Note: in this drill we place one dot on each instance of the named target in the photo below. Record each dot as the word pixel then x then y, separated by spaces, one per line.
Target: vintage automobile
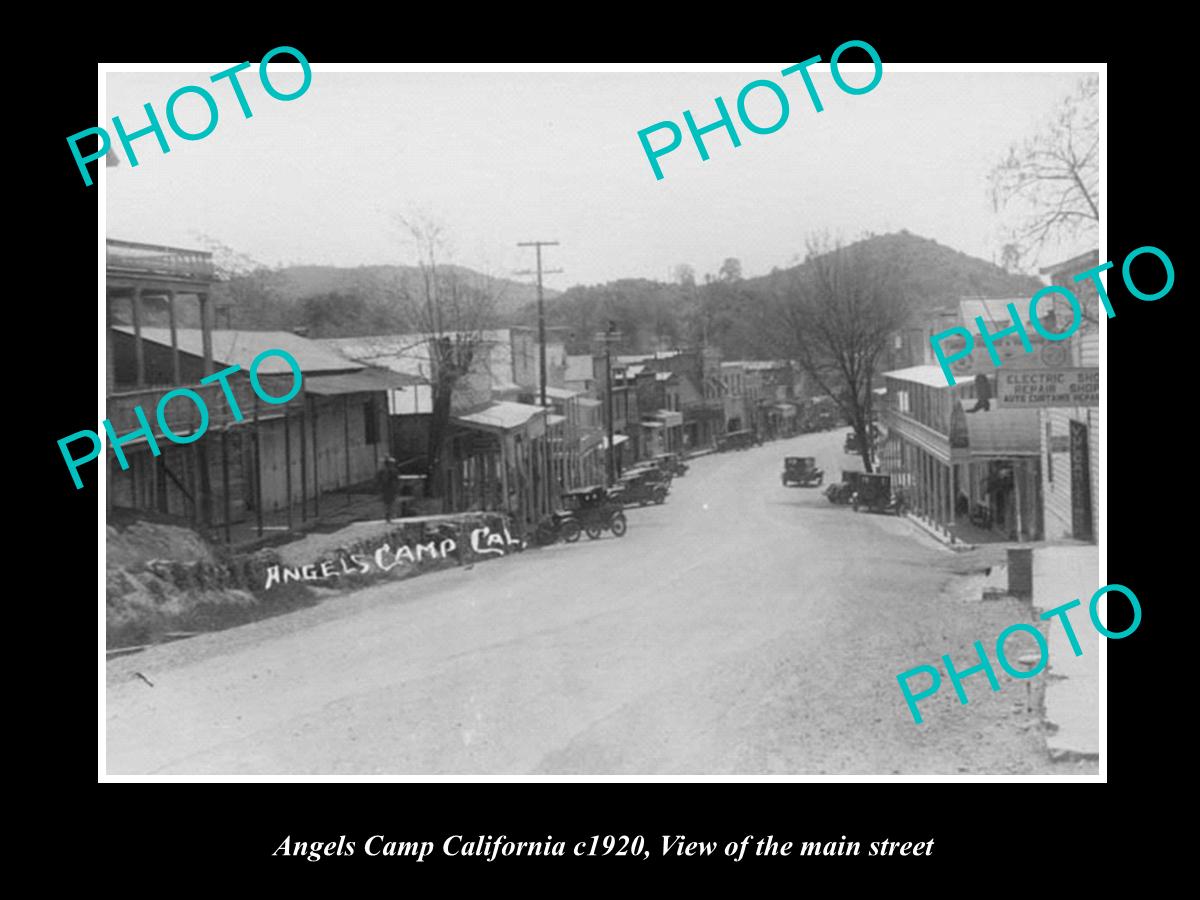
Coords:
pixel 590 510
pixel 874 493
pixel 840 493
pixel 671 463
pixel 802 470
pixel 645 484
pixel 735 440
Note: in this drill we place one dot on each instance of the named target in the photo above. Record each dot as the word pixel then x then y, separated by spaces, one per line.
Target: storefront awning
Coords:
pixel 504 416
pixel 618 440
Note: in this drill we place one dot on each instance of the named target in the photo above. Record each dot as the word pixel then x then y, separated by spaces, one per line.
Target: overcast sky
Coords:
pixel 507 157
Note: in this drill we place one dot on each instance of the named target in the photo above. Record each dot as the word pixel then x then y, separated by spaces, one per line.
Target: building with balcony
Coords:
pixel 967 473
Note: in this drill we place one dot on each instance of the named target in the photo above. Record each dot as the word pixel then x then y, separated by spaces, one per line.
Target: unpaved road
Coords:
pixel 740 628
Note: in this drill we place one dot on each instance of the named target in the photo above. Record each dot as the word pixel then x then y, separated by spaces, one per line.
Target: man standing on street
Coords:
pixel 389 481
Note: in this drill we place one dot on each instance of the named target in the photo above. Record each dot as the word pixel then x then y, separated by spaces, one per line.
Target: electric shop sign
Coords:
pixel 1035 388
pixel 222 378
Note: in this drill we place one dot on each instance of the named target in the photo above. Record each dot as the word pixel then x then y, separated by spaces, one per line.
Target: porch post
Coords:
pixel 178 378
pixel 138 351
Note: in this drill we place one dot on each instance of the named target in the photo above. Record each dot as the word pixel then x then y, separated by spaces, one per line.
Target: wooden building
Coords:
pixel 279 459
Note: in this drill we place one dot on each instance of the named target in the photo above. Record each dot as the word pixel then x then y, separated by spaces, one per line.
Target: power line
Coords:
pixel 541 306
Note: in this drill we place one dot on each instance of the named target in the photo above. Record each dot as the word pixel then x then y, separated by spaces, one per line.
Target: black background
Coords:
pixel 181 835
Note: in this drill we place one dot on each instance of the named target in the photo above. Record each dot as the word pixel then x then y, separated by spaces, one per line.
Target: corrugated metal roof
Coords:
pixel 409 354
pixel 357 382
pixel 1004 432
pixel 503 414
pixel 241 347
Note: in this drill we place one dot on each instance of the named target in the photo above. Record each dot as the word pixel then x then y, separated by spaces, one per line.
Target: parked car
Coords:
pixel 643 485
pixel 558 525
pixel 590 510
pixel 671 463
pixel 874 492
pixel 840 493
pixel 802 470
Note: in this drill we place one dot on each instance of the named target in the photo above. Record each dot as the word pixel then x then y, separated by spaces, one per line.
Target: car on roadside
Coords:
pixel 802 470
pixel 671 463
pixel 643 485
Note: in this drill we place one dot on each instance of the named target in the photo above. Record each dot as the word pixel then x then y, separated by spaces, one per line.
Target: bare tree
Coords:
pixel 448 310
pixel 835 316
pixel 1050 183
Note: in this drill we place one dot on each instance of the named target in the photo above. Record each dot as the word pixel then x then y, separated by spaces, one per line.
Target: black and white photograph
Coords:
pixel 603 421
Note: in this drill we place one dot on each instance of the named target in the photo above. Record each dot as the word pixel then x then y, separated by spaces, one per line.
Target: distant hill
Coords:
pixel 310 281
pixel 930 275
pixel 730 314
pixel 331 301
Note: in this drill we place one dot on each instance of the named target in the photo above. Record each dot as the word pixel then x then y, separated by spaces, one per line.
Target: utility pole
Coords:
pixel 541 307
pixel 609 337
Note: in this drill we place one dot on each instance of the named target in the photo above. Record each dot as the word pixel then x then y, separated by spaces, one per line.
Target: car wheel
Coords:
pixel 618 525
pixel 571 532
pixel 593 532
pixel 660 497
pixel 820 479
pixel 544 535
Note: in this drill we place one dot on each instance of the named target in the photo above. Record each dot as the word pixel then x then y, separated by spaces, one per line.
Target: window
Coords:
pixel 371 421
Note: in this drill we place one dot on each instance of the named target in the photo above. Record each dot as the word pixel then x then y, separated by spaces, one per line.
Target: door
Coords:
pixel 1081 483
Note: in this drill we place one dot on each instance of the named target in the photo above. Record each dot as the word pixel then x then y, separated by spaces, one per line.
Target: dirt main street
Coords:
pixel 742 627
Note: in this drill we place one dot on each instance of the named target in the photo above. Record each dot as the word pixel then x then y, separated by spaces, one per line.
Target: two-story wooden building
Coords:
pixel 273 459
pixel 953 463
